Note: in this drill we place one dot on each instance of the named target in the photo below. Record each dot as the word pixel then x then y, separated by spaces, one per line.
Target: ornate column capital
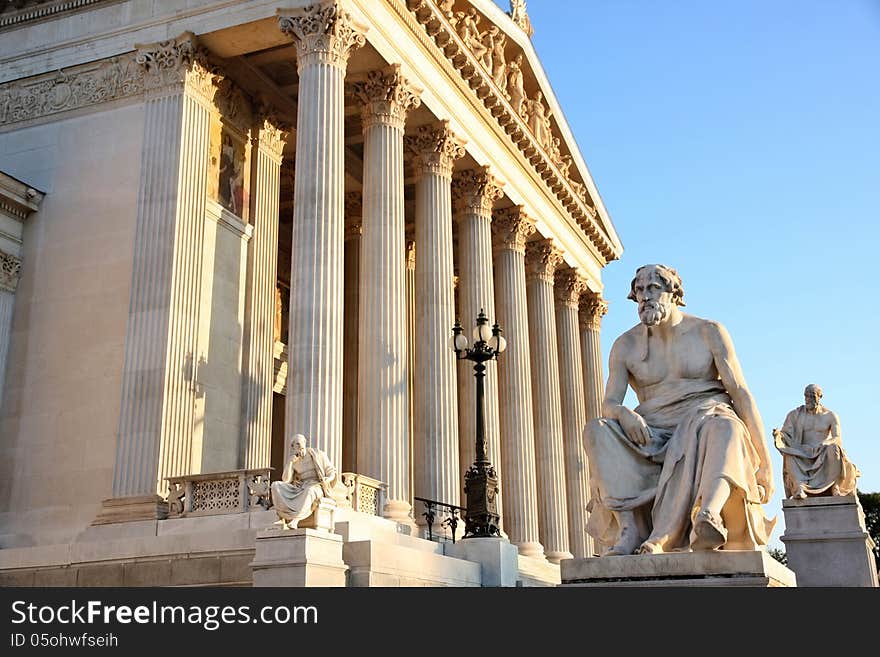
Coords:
pixel 386 97
pixel 542 259
pixel 10 271
pixel 271 132
pixel 511 227
pixel 436 149
pixel 323 32
pixel 569 287
pixel 475 191
pixel 593 308
pixel 176 64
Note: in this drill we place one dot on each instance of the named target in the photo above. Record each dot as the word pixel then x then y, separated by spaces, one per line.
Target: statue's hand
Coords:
pixel 778 438
pixel 634 426
pixel 764 479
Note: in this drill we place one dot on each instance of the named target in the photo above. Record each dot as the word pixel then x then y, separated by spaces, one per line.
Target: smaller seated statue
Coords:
pixel 308 477
pixel 813 460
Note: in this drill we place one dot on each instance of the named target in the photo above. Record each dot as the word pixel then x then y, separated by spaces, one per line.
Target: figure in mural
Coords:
pixel 813 460
pixel 308 476
pixel 689 467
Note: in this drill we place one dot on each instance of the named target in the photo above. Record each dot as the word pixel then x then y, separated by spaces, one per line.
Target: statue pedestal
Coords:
pixel 826 542
pixel 712 568
pixel 498 558
pixel 298 557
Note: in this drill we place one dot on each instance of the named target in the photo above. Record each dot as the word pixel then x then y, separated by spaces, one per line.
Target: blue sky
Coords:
pixel 739 142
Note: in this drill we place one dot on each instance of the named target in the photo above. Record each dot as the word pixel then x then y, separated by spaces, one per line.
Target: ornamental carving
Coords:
pixel 593 309
pixel 569 287
pixel 520 17
pixel 44 95
pixel 323 32
pixel 435 148
pixel 542 259
pixel 511 227
pixel 180 61
pixel 475 191
pixel 386 97
pixel 10 271
pixel 271 133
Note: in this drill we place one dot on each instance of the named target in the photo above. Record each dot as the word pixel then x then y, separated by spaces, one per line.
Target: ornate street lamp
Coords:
pixel 481 480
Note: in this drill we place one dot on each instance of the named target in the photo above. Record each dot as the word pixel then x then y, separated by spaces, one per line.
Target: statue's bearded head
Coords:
pixel 657 290
pixel 812 395
pixel 298 445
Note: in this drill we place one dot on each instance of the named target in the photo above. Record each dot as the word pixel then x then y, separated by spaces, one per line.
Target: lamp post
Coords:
pixel 481 480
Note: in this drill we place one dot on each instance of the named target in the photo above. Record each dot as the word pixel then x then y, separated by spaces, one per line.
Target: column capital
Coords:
pixel 593 308
pixel 475 191
pixel 570 285
pixel 510 229
pixel 542 259
pixel 323 32
pixel 176 65
pixel 271 132
pixel 436 149
pixel 387 97
pixel 10 271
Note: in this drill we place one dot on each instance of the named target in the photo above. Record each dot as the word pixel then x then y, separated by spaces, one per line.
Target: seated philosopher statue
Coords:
pixel 308 476
pixel 813 460
pixel 689 467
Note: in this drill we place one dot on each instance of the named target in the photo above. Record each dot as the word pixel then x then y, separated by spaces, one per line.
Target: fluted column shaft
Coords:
pixel 435 436
pixel 474 193
pixel 542 258
pixel 569 287
pixel 383 406
pixel 159 372
pixel 511 228
pixel 350 331
pixel 7 300
pixel 262 276
pixel 592 309
pixel 324 36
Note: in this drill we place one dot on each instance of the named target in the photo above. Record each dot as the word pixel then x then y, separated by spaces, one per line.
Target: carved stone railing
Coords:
pixel 216 493
pixel 366 494
pixel 448 44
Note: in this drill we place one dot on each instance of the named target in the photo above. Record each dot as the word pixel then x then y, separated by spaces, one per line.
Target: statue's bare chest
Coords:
pixel 685 356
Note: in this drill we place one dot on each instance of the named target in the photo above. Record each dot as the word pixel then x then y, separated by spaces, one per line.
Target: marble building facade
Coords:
pixel 225 223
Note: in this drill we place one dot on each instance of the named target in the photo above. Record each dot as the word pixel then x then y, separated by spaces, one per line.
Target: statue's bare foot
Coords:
pixel 649 548
pixel 709 531
pixel 627 543
pixel 801 494
pixel 835 490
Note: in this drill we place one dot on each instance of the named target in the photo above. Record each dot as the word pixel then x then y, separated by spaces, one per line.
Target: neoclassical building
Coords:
pixel 224 223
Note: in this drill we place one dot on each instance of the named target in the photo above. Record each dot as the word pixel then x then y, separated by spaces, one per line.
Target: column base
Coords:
pixel 399 511
pixel 531 549
pixel 298 557
pixel 557 557
pixel 131 509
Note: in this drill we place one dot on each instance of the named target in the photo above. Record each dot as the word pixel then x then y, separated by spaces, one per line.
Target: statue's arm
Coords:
pixel 734 381
pixel 632 423
pixel 785 436
pixel 834 430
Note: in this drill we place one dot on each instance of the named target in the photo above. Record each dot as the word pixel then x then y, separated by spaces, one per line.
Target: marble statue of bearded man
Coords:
pixel 308 476
pixel 689 467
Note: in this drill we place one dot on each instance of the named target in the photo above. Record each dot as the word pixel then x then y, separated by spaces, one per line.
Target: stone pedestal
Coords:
pixel 497 557
pixel 715 568
pixel 826 542
pixel 298 557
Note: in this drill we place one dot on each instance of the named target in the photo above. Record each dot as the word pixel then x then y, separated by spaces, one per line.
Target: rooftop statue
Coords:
pixel 813 460
pixel 689 467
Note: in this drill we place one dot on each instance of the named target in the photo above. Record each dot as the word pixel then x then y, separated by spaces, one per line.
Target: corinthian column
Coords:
pixel 259 362
pixel 593 308
pixel 325 35
pixel 474 192
pixel 511 228
pixel 542 259
pixel 353 213
pixel 159 372
pixel 436 406
pixel 569 287
pixel 383 406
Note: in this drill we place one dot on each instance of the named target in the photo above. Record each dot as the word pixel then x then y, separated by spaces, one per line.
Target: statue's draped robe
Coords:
pixel 817 467
pixel 695 438
pixel 298 492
